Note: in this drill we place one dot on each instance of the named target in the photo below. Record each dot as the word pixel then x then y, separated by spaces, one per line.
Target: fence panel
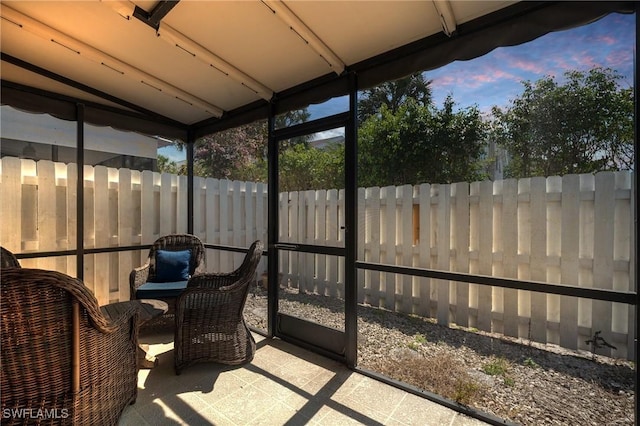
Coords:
pixel 575 230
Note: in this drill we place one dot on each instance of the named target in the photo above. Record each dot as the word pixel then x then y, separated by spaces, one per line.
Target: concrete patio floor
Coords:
pixel 284 384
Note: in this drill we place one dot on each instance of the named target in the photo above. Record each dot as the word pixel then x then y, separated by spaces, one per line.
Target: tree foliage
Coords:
pixel 165 165
pixel 581 126
pixel 394 94
pixel 240 153
pixel 224 154
pixel 418 143
pixel 303 167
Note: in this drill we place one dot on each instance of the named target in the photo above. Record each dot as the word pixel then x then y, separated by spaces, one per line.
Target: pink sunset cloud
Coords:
pixel 496 78
pixel 619 57
pixel 606 39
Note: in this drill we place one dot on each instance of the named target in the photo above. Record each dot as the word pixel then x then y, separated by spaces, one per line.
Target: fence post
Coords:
pixel 424 247
pixel 510 318
pixel 443 241
pixel 11 207
pixel 371 215
pixel 388 201
pixel 485 254
pixel 570 259
pixel 100 222
pixel 405 229
pixel 603 271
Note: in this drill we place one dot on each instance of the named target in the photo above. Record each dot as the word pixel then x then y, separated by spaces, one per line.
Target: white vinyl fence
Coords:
pixel 575 230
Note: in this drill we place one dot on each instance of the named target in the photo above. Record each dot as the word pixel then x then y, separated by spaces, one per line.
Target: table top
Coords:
pixel 148 308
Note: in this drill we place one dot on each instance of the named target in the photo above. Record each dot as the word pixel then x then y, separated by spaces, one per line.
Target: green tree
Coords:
pixel 393 94
pixel 224 155
pixel 241 153
pixel 303 167
pixel 584 125
pixel 418 144
pixel 165 165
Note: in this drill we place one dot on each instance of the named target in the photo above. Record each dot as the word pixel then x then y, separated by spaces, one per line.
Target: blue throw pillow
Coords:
pixel 172 265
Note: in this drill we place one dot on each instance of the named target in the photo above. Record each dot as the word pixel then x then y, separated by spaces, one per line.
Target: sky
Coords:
pixel 496 78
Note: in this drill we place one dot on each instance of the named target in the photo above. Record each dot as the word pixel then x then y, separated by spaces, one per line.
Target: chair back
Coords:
pixel 209 321
pixel 8 259
pixel 251 260
pixel 178 242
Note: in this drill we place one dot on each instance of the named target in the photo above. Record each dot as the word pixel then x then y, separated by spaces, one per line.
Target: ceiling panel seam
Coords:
pixel 88 52
pixel 446 15
pixel 174 37
pixel 307 35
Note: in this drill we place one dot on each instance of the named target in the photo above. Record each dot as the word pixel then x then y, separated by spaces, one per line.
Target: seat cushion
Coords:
pixel 172 266
pixel 153 290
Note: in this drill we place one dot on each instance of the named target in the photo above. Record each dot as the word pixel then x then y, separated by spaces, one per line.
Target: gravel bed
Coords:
pixel 536 385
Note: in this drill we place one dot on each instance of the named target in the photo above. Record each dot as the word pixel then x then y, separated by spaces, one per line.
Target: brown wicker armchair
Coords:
pixel 161 280
pixel 60 355
pixel 8 259
pixel 209 319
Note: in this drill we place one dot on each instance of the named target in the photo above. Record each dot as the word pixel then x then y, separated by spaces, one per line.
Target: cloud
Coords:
pixel 483 72
pixel 605 39
pixel 619 58
pixel 527 65
pixel 328 134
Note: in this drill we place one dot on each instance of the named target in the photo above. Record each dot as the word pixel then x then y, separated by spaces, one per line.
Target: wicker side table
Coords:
pixel 148 309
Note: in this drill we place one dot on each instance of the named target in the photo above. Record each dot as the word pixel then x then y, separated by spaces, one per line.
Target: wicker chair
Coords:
pixel 145 282
pixel 60 355
pixel 8 259
pixel 210 324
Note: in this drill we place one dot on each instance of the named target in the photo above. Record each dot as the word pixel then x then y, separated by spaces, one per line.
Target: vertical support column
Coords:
pixel 351 228
pixel 190 143
pixel 272 223
pixel 80 192
pixel 634 194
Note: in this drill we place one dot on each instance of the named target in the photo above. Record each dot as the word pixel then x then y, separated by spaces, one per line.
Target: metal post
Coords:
pixel 351 226
pixel 634 206
pixel 190 159
pixel 272 224
pixel 80 191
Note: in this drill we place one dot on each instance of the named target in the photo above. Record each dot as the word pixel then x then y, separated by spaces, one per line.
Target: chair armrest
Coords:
pixel 138 277
pixel 120 317
pixel 111 356
pixel 212 280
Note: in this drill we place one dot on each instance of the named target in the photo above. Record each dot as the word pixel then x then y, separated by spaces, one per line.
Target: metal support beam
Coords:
pixel 190 159
pixel 154 17
pixel 447 18
pixel 351 226
pixel 80 192
pixel 636 181
pixel 272 223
